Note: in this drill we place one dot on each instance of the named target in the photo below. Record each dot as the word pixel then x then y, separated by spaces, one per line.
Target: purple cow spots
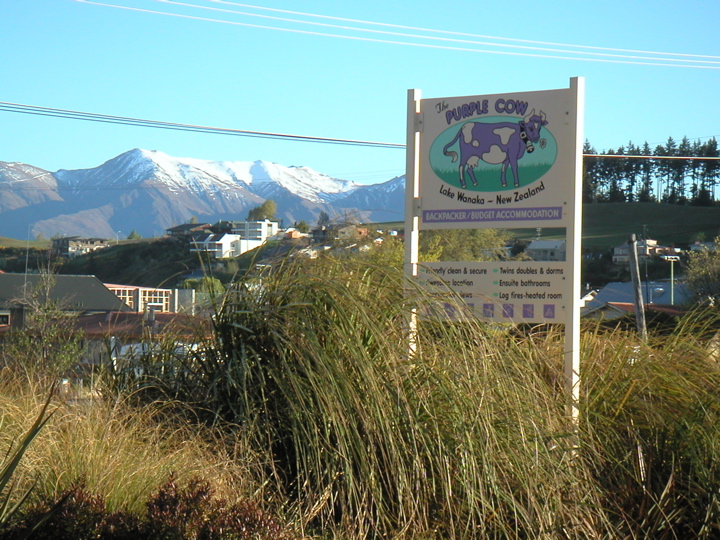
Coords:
pixel 501 143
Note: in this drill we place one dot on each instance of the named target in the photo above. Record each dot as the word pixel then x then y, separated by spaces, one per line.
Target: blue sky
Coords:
pixel 243 73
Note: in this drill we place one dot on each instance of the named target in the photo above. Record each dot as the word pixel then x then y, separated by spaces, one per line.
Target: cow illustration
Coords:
pixel 502 142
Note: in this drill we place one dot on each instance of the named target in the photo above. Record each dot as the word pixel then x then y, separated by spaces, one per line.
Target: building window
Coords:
pixel 127 296
pixel 157 298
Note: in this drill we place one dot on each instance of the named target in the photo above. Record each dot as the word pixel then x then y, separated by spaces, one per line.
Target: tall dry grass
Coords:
pixel 651 429
pixel 348 433
pixel 468 437
pixel 464 438
pixel 116 450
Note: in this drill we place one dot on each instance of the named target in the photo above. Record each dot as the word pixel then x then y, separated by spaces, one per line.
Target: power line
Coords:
pixel 139 122
pixel 683 58
pixel 662 62
pixel 448 32
pixel 630 156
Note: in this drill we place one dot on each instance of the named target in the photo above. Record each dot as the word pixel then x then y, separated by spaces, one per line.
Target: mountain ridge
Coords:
pixel 149 191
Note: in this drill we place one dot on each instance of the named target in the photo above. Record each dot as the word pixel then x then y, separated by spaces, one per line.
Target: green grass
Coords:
pixel 610 224
pixel 33 244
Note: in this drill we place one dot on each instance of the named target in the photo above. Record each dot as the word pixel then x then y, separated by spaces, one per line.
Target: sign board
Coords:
pixel 509 291
pixel 499 161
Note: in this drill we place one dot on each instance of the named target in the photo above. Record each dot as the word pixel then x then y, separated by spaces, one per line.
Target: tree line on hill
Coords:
pixel 669 173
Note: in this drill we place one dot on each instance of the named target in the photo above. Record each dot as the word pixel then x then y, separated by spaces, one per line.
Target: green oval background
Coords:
pixel 531 167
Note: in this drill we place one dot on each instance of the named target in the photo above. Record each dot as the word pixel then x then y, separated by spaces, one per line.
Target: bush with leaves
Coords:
pixel 702 273
pixel 48 342
pixel 367 439
pixel 266 210
pixel 174 512
pixel 651 430
pixel 464 433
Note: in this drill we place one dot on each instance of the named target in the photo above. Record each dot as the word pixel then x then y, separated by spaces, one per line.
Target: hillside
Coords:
pixel 149 191
pixel 32 244
pixel 161 261
pixel 609 224
pixel 606 225
pixel 151 263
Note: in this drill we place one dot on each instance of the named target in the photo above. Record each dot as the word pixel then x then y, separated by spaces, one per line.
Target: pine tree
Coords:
pixel 645 170
pixel 323 219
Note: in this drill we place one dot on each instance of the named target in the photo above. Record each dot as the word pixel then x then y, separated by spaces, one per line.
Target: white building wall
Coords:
pixel 256 230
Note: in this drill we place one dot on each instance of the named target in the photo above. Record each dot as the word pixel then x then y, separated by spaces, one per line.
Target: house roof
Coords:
pixel 202 237
pixel 626 308
pixel 188 227
pixel 653 292
pixel 546 244
pixel 135 325
pixel 72 293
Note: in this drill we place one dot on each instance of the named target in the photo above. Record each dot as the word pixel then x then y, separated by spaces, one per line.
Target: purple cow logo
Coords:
pixel 502 142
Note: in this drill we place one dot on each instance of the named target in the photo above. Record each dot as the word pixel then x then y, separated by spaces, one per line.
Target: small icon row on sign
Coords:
pixel 508 311
pixel 449 311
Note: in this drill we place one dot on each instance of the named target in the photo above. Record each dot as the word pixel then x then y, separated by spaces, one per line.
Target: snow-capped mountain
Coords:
pixel 149 191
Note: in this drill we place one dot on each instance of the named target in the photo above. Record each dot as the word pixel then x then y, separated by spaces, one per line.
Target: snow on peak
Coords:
pixel 20 172
pixel 263 178
pixel 302 181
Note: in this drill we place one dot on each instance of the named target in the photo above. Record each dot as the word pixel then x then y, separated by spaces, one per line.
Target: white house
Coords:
pixel 219 246
pixel 243 236
pixel 645 249
pixel 255 230
pixel 700 246
pixel 74 246
pixel 141 299
pixel 546 250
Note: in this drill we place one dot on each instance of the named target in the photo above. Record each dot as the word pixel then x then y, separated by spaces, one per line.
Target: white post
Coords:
pixel 412 196
pixel 574 237
pixel 671 259
pixel 672 282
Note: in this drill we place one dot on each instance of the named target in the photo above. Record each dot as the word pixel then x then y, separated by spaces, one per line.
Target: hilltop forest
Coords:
pixel 659 174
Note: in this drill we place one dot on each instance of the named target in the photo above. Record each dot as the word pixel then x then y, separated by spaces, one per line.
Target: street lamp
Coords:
pixel 672 259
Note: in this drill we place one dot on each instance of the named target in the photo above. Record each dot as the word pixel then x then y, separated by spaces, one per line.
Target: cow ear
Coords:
pixel 544 122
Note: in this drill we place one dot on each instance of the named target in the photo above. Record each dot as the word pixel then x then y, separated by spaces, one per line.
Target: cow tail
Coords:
pixel 453 155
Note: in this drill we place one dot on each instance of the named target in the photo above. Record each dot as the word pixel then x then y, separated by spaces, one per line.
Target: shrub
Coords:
pixel 175 512
pixel 10 506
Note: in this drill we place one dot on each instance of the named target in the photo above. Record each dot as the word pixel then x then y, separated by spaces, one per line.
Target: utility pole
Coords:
pixel 672 259
pixel 635 275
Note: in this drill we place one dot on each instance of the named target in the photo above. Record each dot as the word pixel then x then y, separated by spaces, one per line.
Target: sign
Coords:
pixel 511 291
pixel 498 161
